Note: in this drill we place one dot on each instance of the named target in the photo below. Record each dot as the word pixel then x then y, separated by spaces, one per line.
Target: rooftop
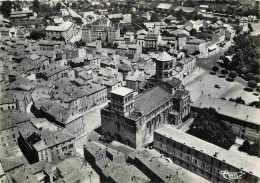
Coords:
pixel 248 163
pixel 122 91
pixel 122 172
pixel 62 27
pixel 164 56
pixel 230 109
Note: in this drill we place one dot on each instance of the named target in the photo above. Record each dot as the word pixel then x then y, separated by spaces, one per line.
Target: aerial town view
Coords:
pixel 129 91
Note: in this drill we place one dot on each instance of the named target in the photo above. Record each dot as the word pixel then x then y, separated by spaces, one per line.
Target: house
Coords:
pixel 72 169
pixel 136 81
pixel 242 119
pixel 54 72
pixel 100 156
pixel 100 29
pixel 203 158
pixel 65 30
pixel 156 168
pixel 129 50
pixel 194 24
pixel 60 115
pixel 21 15
pixel 188 64
pixel 196 45
pixel 9 162
pixel 8 130
pixel 122 172
pixel 44 145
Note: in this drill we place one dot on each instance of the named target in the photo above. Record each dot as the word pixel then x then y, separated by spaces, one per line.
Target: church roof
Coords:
pixel 164 56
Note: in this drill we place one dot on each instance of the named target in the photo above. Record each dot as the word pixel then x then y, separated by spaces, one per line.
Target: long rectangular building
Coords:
pixel 204 158
pixel 243 120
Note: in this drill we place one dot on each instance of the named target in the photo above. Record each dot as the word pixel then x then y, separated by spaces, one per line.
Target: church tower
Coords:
pixel 164 66
pixel 122 101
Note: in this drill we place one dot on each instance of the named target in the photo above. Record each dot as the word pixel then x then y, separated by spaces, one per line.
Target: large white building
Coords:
pixel 66 30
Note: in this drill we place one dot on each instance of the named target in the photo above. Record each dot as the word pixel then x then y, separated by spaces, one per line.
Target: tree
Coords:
pixel 233 75
pixel 208 126
pixel 256 78
pixel 36 35
pixel 255 104
pixel 154 17
pixel 115 45
pixel 224 72
pixel 201 29
pixel 74 5
pixel 6 8
pixel 239 100
pixel 252 84
pixel 215 69
pixel 193 32
pixel 237 21
pixel 36 5
pixel 251 149
pixel 58 6
pixel 250 27
pixel 250 76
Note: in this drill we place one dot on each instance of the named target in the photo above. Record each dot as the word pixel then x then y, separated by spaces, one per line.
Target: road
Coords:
pixel 73 13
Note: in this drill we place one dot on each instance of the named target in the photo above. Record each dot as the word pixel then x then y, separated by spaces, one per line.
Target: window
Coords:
pixel 117 126
pixel 13 135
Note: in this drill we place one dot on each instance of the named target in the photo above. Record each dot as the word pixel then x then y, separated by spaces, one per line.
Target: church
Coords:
pixel 132 119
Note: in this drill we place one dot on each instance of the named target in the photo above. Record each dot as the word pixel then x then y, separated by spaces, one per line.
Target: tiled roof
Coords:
pixel 122 172
pixel 152 163
pixel 145 105
pixel 248 163
pixel 62 27
pixel 122 91
pixel 164 56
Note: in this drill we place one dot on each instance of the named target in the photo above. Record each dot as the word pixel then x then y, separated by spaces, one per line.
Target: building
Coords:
pixel 21 15
pixel 129 50
pixel 160 170
pixel 100 157
pixel 69 118
pixel 132 120
pixel 47 45
pixel 73 170
pixel 122 172
pixel 203 158
pixel 196 45
pixel 84 97
pixel 242 119
pixel 9 162
pixel 66 30
pixel 8 130
pixel 44 145
pixel 101 29
pixel 7 102
pixel 136 82
pixel 54 72
pixel 188 64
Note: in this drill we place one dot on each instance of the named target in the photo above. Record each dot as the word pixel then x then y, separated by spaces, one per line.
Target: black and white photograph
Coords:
pixel 130 91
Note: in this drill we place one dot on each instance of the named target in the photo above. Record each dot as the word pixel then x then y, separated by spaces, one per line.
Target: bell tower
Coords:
pixel 122 101
pixel 164 66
